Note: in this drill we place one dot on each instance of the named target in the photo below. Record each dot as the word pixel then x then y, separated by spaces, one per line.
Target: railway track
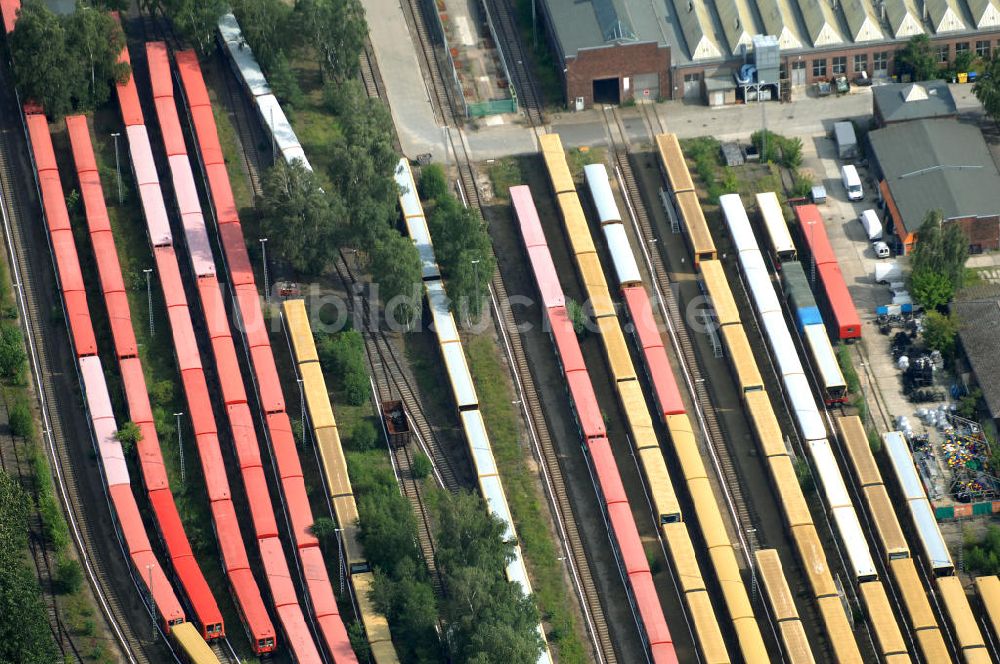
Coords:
pixel 18 222
pixel 503 13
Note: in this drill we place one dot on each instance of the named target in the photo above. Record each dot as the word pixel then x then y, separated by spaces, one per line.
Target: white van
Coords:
pixel 873 227
pixel 852 182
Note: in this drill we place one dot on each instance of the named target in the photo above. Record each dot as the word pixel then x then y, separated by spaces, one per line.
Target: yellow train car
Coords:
pixel 790 497
pixel 751 641
pixel 765 425
pixel 797 648
pixel 575 223
pixel 852 434
pixel 673 164
pixel 636 412
pixel 594 284
pixel 714 277
pixel 376 626
pixel 682 557
pixel 317 396
pixel 842 642
pixel 882 618
pixel 886 522
pixel 814 561
pixel 734 594
pixel 300 333
pixel 686 447
pixel 914 597
pixel 741 359
pixel 555 163
pixel 702 244
pixel 988 589
pixel 190 646
pixel 713 529
pixel 772 578
pixel 616 352
pixel 959 615
pixel 706 628
pixel 932 645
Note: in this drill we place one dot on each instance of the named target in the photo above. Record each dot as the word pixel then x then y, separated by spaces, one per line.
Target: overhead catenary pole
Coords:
pixel 149 302
pixel 475 269
pixel 180 448
pixel 302 412
pixel 118 169
pixel 263 258
pixel 152 602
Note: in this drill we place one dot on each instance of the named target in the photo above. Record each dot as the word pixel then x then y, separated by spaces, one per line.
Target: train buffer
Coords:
pixel 397 425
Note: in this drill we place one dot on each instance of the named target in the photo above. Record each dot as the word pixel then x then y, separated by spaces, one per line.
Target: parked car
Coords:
pixel 852 182
pixel 873 227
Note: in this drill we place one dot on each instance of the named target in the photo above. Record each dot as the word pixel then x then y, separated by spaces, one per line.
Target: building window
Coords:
pixel 880 61
pixel 840 64
pixel 961 47
pixel 983 48
pixel 861 62
pixel 819 68
pixel 943 52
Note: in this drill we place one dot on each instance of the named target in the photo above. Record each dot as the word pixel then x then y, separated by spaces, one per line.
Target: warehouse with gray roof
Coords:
pixel 610 51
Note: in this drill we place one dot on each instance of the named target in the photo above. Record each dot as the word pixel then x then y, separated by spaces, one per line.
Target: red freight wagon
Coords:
pixel 527 216
pixel 134 383
pixel 159 69
pixel 314 571
pixel 128 97
pixel 299 512
pixel 661 375
pixel 200 594
pixel 240 270
pixel 171 528
pixel 214 307
pixel 213 467
pixel 564 337
pixel 286 458
pixel 814 233
pixel 191 79
pixel 297 632
pixel 56 216
pixel 9 9
pixel 271 398
pixel 845 315
pixel 185 344
pixel 227 368
pixel 252 317
pixel 64 248
pixel 170 128
pixel 244 435
pixel 273 558
pixel 227 533
pixel 633 556
pixel 208 140
pixel 93 203
pixel 198 401
pixel 121 325
pixel 41 143
pixel 170 277
pixel 606 471
pixel 588 413
pixel 548 280
pixel 80 326
pixel 146 566
pixel 108 268
pixel 80 144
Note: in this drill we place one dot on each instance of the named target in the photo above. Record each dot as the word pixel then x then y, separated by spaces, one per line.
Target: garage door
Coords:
pixel 646 87
pixel 799 73
pixel 692 86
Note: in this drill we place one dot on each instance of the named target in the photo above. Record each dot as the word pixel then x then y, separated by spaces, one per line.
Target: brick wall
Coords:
pixel 983 232
pixel 615 62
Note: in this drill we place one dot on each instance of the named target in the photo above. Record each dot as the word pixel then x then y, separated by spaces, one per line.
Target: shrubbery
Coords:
pixel 343 356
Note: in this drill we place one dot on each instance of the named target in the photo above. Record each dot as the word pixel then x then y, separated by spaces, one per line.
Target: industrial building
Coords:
pixel 941 164
pixel 902 102
pixel 614 50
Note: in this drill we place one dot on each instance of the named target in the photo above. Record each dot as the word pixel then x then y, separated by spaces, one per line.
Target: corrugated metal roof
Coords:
pixel 696 24
pixel 945 15
pixel 913 101
pixel 862 20
pixel 985 13
pixel 904 18
pixel 821 22
pixel 978 311
pixel 580 24
pixel 738 23
pixel 779 20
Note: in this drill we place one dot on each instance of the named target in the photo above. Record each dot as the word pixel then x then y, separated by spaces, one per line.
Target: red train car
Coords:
pixel 9 9
pixel 655 632
pixel 654 355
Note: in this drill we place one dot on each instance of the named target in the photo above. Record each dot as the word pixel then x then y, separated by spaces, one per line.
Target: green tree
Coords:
pixel 388 529
pixel 941 249
pixel 968 404
pixel 21 421
pixel 267 28
pixel 129 436
pixel 464 252
pixel 283 80
pixel 364 435
pixel 13 359
pixel 42 67
pixel 408 600
pixel 421 467
pixel 940 332
pixel 987 86
pixel 299 217
pixel 336 31
pixel 395 260
pixel 95 40
pixel 577 316
pixel 69 576
pixel 325 530
pixel 917 59
pixel 343 355
pixel 433 183
pixel 196 20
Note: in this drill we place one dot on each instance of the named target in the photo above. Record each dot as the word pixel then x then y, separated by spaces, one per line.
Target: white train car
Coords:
pixel 798 391
pixel 255 85
pixel 738 223
pixel 460 381
pixel 622 256
pixel 781 245
pixel 937 556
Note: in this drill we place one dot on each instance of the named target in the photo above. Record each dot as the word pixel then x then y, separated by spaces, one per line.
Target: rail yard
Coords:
pixel 587 403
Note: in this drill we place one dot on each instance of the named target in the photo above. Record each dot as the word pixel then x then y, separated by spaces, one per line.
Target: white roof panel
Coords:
pixel 804 407
pixel 497 502
pixel 242 56
pixel 296 153
pixel 275 120
pixel 830 477
pixel 759 282
pixel 517 572
pixel 479 443
pixel 902 465
pixel 95 388
pixel 774 222
pixel 458 375
pixel 198 244
pixel 930 535
pixel 142 155
pixel 738 222
pixel 823 356
pixel 421 236
pixel 409 200
pixel 438 303
pixel 600 193
pixel 622 256
pixel 853 539
pixel 112 456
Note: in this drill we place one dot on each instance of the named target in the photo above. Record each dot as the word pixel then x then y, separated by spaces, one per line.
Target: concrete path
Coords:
pixel 409 100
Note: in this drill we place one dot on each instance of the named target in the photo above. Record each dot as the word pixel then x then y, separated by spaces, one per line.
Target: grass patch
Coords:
pixel 231 153
pixel 496 402
pixel 577 158
pixel 504 174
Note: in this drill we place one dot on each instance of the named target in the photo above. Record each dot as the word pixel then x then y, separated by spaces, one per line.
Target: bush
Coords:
pixel 968 404
pixel 802 184
pixel 343 355
pixel 805 478
pixel 162 392
pixel 13 359
pixel 940 332
pixel 364 435
pixel 54 529
pixel 21 420
pixel 421 466
pixel 69 576
pixel 129 436
pixel 577 316
pixel 433 183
